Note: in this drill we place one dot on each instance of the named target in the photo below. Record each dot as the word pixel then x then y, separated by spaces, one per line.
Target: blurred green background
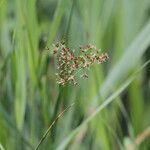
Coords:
pixel 112 107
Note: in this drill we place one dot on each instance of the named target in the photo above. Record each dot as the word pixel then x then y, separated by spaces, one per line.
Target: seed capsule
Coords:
pixel 68 65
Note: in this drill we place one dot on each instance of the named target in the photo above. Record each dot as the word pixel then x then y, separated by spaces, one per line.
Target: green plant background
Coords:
pixel 111 108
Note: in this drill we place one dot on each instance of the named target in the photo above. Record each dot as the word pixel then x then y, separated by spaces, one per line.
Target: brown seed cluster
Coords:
pixel 69 65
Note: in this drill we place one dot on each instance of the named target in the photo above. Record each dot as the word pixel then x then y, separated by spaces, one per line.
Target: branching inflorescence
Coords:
pixel 69 65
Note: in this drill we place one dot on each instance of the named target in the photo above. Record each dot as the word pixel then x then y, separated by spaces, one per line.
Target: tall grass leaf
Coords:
pixel 110 99
pixel 1 147
pixel 62 4
pixel 20 63
pixel 11 126
pixel 59 12
pixel 128 60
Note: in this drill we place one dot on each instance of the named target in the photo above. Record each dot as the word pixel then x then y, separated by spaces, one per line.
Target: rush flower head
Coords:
pixel 69 65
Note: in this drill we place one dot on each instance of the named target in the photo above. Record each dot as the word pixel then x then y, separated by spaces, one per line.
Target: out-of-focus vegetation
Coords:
pixel 112 107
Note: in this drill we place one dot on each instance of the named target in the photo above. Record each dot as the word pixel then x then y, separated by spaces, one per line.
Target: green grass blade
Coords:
pixel 1 147
pixel 57 19
pixel 59 12
pixel 128 60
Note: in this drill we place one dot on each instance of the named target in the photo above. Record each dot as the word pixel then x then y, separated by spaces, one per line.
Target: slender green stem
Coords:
pixel 69 22
pixel 48 130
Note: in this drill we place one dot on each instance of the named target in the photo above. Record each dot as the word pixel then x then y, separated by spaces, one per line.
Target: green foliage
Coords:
pixel 30 98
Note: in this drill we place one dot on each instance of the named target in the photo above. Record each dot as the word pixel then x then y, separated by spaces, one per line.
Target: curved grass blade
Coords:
pixel 128 61
pixel 110 99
